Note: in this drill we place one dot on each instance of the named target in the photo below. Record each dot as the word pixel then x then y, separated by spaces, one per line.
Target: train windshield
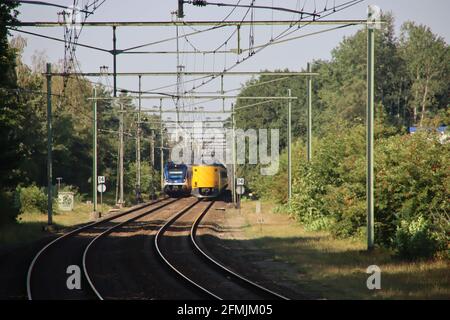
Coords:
pixel 176 174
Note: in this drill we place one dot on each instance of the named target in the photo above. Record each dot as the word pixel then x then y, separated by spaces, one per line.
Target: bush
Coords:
pixel 411 189
pixel 411 182
pixel 9 210
pixel 150 180
pixel 415 239
pixel 307 200
pixel 272 187
pixel 32 198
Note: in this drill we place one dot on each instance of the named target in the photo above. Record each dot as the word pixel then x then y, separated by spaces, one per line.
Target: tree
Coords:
pixel 32 126
pixel 427 60
pixel 345 76
pixel 10 113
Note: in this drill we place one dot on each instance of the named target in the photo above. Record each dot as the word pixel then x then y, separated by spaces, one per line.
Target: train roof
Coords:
pixel 175 165
pixel 216 164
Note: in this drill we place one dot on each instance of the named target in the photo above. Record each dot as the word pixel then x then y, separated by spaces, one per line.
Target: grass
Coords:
pixel 29 225
pixel 336 269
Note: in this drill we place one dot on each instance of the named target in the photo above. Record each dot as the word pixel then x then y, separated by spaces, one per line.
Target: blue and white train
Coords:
pixel 177 179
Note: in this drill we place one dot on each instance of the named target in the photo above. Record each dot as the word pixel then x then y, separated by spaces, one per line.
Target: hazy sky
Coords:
pixel 293 55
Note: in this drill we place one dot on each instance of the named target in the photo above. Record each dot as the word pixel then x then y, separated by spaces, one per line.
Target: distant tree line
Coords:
pixel 23 132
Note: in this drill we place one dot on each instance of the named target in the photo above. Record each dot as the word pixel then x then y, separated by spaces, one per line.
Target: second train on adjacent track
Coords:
pixel 202 180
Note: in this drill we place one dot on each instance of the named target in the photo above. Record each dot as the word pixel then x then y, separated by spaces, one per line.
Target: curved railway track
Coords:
pixel 175 242
pixel 120 263
pixel 52 260
pixel 201 270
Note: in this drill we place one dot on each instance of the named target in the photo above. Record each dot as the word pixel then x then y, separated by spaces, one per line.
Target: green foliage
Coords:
pixel 415 239
pixel 273 187
pixel 31 199
pixel 23 122
pixel 149 179
pixel 327 193
pixel 411 171
pixel 11 113
pixel 9 208
pixel 411 181
pixel 427 66
pixel 273 114
pixel 343 79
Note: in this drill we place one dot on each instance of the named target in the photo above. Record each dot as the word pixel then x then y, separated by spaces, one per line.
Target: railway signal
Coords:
pixel 240 190
pixel 101 188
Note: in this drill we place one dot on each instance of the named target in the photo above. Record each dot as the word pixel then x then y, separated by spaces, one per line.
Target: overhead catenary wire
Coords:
pixel 284 33
pixel 277 42
pixel 205 3
pixel 235 30
pixel 262 47
pixel 50 4
pixel 171 38
pixel 186 35
pixel 56 39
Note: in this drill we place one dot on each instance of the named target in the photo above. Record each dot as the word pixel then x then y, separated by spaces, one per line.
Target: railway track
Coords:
pixel 46 276
pixel 122 264
pixel 115 264
pixel 195 266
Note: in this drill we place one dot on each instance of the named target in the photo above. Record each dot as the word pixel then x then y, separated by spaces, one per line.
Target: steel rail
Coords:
pixel 73 232
pixel 108 231
pixel 221 266
pixel 159 251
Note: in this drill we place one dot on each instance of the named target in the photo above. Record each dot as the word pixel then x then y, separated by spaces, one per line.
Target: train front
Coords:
pixel 208 181
pixel 177 180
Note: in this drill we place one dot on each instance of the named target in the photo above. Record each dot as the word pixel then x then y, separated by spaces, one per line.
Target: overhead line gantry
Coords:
pixel 217 23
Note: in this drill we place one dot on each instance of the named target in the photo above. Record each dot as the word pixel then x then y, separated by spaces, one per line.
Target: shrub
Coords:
pixel 348 210
pixel 150 179
pixel 415 239
pixel 30 199
pixel 411 181
pixel 9 210
pixel 307 200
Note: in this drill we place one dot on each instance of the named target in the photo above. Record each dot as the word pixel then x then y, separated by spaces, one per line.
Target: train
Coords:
pixel 209 180
pixel 201 181
pixel 177 179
